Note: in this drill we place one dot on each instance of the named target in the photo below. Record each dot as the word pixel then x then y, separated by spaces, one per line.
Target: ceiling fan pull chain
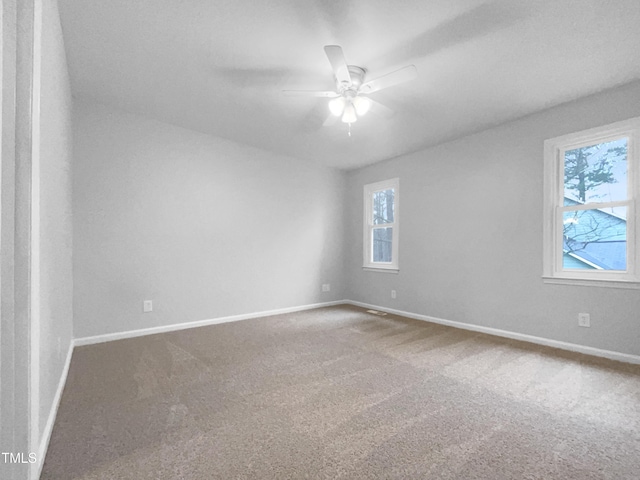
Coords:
pixel 349 129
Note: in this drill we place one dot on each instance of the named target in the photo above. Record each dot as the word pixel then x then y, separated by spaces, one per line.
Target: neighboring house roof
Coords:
pixel 573 261
pixel 595 239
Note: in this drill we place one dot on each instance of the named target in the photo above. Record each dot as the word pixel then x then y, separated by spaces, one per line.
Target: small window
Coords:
pixel 381 207
pixel 591 188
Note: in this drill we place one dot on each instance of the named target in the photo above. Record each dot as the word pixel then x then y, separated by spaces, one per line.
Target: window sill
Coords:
pixel 381 269
pixel 628 284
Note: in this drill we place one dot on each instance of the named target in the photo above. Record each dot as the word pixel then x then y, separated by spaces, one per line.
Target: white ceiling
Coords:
pixel 219 66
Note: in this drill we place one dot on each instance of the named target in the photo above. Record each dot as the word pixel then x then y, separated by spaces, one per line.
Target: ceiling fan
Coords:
pixel 349 101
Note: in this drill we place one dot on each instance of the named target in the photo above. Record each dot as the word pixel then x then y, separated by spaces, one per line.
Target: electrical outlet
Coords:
pixel 584 320
pixel 147 306
pixel 326 287
pixel 393 294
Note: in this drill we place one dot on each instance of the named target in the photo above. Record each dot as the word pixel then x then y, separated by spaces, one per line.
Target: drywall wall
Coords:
pixel 203 227
pixel 471 234
pixel 53 312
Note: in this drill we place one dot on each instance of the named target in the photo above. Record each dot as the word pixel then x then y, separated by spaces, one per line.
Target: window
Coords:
pixel 590 214
pixel 381 207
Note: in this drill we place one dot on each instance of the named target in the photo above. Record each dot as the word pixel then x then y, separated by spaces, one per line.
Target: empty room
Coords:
pixel 320 239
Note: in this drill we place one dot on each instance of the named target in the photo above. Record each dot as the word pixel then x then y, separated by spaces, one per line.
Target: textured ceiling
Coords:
pixel 219 66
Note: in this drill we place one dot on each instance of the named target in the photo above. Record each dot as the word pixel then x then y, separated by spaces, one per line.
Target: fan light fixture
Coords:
pixel 349 115
pixel 362 104
pixel 337 105
pixel 349 109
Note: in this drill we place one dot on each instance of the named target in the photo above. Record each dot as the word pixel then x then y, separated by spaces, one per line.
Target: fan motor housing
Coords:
pixel 357 78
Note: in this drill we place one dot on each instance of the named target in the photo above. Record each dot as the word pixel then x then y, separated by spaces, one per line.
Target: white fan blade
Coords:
pixel 399 76
pixel 378 108
pixel 338 63
pixel 310 93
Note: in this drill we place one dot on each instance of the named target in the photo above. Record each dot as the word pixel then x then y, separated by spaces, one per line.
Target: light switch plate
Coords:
pixel 147 306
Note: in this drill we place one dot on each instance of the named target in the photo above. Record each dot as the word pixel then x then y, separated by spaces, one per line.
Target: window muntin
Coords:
pixel 381 202
pixel 591 183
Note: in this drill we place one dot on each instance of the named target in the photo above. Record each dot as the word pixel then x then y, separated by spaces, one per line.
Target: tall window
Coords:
pixel 381 207
pixel 591 216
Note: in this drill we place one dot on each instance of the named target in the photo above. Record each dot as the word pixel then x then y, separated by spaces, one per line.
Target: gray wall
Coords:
pixel 55 222
pixel 202 226
pixel 471 233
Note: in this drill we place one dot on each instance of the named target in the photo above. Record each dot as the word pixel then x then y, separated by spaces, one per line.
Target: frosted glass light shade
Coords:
pixel 362 104
pixel 336 106
pixel 349 114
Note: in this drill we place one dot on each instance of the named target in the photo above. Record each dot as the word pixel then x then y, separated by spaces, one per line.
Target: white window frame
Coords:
pixel 369 190
pixel 554 149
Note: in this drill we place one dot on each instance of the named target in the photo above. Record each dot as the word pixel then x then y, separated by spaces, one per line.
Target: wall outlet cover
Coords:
pixel 584 320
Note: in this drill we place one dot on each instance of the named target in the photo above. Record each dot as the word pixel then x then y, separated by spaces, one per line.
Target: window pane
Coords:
pixel 382 242
pixel 597 173
pixel 594 239
pixel 383 206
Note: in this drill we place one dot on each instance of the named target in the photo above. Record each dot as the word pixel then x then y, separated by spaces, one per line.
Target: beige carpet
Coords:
pixel 339 393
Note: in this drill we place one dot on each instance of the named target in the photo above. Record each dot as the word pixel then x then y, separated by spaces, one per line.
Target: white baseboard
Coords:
pixel 53 413
pixel 198 323
pixel 597 352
